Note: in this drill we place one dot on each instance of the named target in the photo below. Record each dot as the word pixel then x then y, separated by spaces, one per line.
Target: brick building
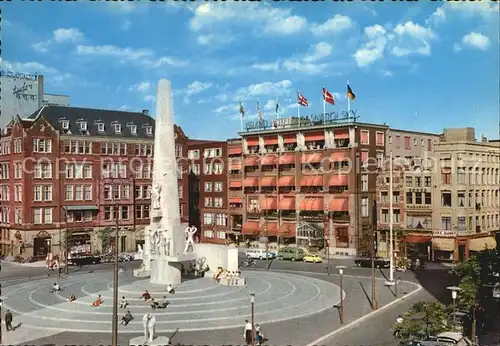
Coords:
pixel 70 173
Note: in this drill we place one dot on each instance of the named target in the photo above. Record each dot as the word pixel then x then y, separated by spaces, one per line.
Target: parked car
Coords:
pixel 444 339
pixel 84 259
pixel 291 253
pixel 367 262
pixel 258 254
pixel 313 258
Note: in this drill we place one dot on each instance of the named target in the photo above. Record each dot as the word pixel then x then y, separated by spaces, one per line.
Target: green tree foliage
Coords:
pixel 424 319
pixel 470 269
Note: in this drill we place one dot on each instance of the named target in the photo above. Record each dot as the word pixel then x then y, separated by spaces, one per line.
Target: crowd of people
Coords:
pixel 232 277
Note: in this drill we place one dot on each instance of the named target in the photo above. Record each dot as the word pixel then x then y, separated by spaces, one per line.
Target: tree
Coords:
pixel 424 319
pixel 105 238
pixel 470 268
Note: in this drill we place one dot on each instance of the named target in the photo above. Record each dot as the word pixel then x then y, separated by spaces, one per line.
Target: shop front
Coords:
pixel 443 249
pixel 475 245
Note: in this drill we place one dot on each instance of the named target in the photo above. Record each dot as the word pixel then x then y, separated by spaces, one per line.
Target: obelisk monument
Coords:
pixel 165 238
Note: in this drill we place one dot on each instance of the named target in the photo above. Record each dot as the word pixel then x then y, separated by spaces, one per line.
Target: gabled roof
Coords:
pixel 74 116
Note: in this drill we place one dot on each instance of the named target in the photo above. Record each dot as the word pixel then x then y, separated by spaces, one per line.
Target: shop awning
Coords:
pixel 287 203
pixel 314 136
pixel 311 180
pixel 235 151
pixel 311 158
pixel 338 180
pixel 290 138
pixel 269 159
pixel 251 161
pixel 269 228
pixel 235 184
pixel 287 230
pixel 251 141
pixel 311 204
pixel 236 200
pixel 443 244
pixel 251 182
pixel 286 181
pixel 80 207
pixel 341 135
pixel 235 164
pixel 269 203
pixel 339 156
pixel 287 159
pixel 271 140
pixel 250 228
pixel 339 204
pixel 481 244
pixel 268 181
pixel 417 239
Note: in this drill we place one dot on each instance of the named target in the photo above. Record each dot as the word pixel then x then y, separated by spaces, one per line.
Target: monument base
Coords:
pixel 158 341
pixel 141 273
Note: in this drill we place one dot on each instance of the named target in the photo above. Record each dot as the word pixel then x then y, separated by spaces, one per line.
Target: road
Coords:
pixel 376 330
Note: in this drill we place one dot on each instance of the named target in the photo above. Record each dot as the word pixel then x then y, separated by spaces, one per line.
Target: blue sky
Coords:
pixel 419 66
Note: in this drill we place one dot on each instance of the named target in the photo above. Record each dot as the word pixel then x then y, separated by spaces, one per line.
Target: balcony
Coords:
pixel 235 176
pixel 312 216
pixel 253 173
pixel 288 216
pixel 254 215
pixel 235 193
pixel 288 189
pixel 270 173
pixel 340 216
pixel 235 209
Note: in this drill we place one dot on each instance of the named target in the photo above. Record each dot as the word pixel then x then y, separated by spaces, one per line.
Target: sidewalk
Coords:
pixel 38 264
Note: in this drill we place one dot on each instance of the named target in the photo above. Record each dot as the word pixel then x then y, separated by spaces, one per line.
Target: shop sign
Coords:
pixel 444 234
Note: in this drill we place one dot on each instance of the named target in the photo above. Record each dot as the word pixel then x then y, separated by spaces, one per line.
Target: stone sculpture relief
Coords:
pixel 155 197
pixel 190 232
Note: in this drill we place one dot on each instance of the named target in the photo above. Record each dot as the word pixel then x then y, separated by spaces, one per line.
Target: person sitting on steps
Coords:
pixel 146 295
pixel 164 303
pixel 123 302
pixel 170 289
pixel 154 304
pixel 127 318
pixel 72 298
pixel 56 287
pixel 97 302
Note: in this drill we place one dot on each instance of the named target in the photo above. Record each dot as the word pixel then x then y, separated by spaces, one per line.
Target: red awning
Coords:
pixel 252 141
pixel 236 200
pixel 287 203
pixel 252 161
pixel 235 184
pixel 269 160
pixel 287 230
pixel 235 151
pixel 312 158
pixel 311 204
pixel 314 136
pixel 341 135
pixel 417 239
pixel 268 181
pixel 269 228
pixel 250 228
pixel 314 180
pixel 338 180
pixel 287 159
pixel 251 182
pixel 287 181
pixel 235 164
pixel 271 140
pixel 339 156
pixel 290 138
pixel 269 203
pixel 339 204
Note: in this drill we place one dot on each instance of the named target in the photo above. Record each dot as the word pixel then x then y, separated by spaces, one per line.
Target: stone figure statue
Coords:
pixel 149 323
pixel 140 251
pixel 166 244
pixel 155 239
pixel 190 231
pixel 155 197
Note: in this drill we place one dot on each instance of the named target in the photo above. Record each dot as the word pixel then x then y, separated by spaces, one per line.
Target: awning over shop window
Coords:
pixel 286 181
pixel 417 239
pixel 251 182
pixel 235 184
pixel 339 180
pixel 312 158
pixel 236 200
pixel 339 156
pixel 287 203
pixel 287 159
pixel 269 229
pixel 308 180
pixel 251 161
pixel 443 244
pixel 481 244
pixel 250 228
pixel 268 181
pixel 235 151
pixel 271 140
pixel 269 203
pixel 251 141
pixel 287 230
pixel 339 204
pixel 341 134
pixel 311 204
pixel 269 160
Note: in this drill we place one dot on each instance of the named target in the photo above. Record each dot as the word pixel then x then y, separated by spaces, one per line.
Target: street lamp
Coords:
pixel 454 292
pixel 114 337
pixel 252 314
pixel 341 273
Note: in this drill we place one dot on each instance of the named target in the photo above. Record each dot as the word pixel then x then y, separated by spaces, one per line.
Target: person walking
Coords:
pixel 8 320
pixel 247 333
pixel 259 335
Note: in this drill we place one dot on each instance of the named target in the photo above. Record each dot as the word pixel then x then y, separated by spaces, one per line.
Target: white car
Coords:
pixel 258 254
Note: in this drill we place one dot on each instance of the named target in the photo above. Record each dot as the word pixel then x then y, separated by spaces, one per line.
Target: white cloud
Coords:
pixel 476 40
pixel 336 24
pixel 270 105
pixel 227 108
pixel 214 39
pixel 411 38
pixel 150 98
pixel 145 57
pixel 197 87
pixel 318 52
pixel 62 35
pixel 374 47
pixel 126 25
pixel 487 10
pixel 41 47
pixel 28 67
pixel 274 66
pixel 261 89
pixel 267 18
pixel 142 87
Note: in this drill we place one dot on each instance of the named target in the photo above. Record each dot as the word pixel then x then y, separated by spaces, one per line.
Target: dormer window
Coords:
pixel 118 128
pixel 83 126
pixel 100 127
pixel 65 124
pixel 133 129
pixel 149 130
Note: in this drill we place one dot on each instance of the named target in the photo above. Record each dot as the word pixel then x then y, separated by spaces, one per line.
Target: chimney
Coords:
pixel 145 111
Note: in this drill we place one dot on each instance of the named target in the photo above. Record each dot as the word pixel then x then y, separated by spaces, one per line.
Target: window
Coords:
pixel 384 197
pixel 380 160
pixel 37 193
pixel 446 199
pixel 446 223
pixel 364 157
pixel 418 181
pixel 446 176
pixel 407 143
pixel 428 198
pixel 133 129
pixel 18 193
pixel 208 234
pixel 221 220
pixel 4 170
pixel 218 202
pixel 390 139
pixel 384 215
pixel 124 212
pixel 208 218
pixel 37 216
pixel 364 182
pixel 43 170
pixel 409 198
pixel 69 193
pixel 409 181
pixel 78 192
pixel 180 191
pixel 418 198
pixel 18 145
pixel 47 192
pixel 47 216
pixel 218 186
pixel 379 141
pixel 396 216
pixel 395 196
pixel 149 130
pixel 178 150
pixel 195 169
pixel 83 126
pixel 461 199
pixel 365 137
pixel 208 187
pixel 194 154
pixel 364 207
pixel 113 148
pixel 42 145
pixel 208 202
pixel 118 128
pixel 218 168
pixel 427 181
pixel 88 192
pixel 18 216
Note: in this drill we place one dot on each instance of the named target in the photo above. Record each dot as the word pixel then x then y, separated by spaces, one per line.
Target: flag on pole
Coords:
pixel 242 110
pixel 301 100
pixel 328 97
pixel 277 105
pixel 350 93
pixel 258 110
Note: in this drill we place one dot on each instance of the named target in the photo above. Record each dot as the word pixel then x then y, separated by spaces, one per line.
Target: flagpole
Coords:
pixel 324 109
pixel 241 122
pixel 348 102
pixel 277 108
